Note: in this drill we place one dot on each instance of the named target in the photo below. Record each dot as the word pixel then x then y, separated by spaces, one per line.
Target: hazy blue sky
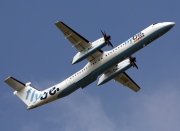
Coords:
pixel 33 49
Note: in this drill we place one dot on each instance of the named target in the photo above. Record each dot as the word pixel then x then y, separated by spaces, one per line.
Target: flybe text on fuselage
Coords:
pixel 135 38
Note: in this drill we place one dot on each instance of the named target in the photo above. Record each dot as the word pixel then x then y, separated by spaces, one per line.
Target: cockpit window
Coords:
pixel 154 23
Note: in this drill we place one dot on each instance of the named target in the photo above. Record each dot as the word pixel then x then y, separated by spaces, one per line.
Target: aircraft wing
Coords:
pixel 125 80
pixel 79 42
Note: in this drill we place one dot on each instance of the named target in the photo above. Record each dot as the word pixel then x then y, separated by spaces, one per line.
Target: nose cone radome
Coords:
pixel 168 25
pixel 171 23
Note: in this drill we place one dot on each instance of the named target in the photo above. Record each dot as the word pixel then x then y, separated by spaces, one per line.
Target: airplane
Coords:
pixel 110 64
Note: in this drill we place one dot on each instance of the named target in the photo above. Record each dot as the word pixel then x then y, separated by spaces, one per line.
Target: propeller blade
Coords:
pixel 133 60
pixel 102 33
pixel 135 65
pixel 109 43
pixel 107 38
pixel 105 33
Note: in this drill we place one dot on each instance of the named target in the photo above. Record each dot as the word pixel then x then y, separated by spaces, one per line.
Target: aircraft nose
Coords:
pixel 171 24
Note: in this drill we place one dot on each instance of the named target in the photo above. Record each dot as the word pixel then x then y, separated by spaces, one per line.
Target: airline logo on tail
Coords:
pixel 33 95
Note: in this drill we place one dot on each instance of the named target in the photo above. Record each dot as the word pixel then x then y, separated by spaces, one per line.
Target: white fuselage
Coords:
pixel 98 66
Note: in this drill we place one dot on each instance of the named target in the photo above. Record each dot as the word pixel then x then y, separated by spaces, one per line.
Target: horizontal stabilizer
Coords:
pixel 15 84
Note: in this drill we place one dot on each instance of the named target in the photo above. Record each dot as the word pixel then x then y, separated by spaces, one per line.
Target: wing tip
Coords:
pixel 138 89
pixel 57 22
pixel 10 77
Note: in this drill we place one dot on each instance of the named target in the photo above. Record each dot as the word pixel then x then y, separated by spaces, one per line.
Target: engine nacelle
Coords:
pixel 96 45
pixel 120 68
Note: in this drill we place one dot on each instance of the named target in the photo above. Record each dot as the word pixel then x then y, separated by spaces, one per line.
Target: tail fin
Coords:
pixel 25 92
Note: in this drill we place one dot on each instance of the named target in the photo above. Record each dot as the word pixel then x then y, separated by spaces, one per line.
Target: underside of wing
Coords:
pixel 77 40
pixel 17 85
pixel 95 55
pixel 125 80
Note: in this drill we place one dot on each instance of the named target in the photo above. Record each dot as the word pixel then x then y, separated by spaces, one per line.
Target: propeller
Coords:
pixel 133 60
pixel 107 38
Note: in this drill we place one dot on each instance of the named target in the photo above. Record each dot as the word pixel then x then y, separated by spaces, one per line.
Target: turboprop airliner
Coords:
pixel 110 64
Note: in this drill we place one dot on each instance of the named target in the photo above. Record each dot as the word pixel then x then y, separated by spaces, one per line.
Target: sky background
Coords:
pixel 32 49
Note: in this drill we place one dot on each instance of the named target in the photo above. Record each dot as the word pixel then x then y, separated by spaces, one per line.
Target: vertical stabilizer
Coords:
pixel 25 92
